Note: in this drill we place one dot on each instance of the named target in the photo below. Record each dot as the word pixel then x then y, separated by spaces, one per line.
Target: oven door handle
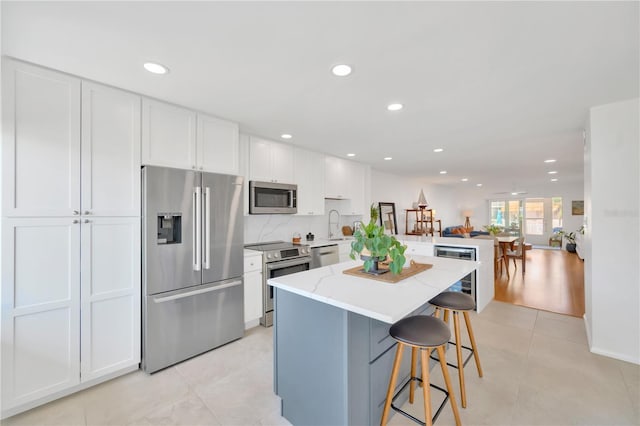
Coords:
pixel 286 263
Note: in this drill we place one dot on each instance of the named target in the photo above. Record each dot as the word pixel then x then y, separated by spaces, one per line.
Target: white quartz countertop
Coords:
pixel 319 242
pixel 376 299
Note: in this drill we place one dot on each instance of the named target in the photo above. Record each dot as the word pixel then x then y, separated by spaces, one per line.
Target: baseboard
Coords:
pixel 604 352
pixel 57 395
pixel 615 355
pixel 587 329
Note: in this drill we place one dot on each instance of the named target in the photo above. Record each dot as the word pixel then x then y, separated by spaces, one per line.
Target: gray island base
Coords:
pixel 332 351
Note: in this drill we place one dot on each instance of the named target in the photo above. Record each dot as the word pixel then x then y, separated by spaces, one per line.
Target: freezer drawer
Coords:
pixel 185 323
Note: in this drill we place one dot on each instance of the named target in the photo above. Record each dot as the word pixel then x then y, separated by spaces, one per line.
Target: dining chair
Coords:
pixel 518 252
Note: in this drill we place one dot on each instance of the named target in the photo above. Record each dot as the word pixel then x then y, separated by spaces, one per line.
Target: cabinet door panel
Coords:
pixel 309 176
pixel 110 151
pixel 41 308
pixel 41 153
pixel 110 332
pixel 282 162
pixel 252 296
pixel 260 160
pixel 168 135
pixel 336 178
pixel 218 147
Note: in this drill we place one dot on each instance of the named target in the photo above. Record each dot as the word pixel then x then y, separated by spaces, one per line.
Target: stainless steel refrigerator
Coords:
pixel 192 264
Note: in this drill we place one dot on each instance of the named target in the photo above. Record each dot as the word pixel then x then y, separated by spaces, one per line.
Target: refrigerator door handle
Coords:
pixel 197 229
pixel 195 292
pixel 207 228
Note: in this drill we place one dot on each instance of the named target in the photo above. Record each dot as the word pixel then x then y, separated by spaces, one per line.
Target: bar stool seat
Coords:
pixel 453 301
pixel 422 333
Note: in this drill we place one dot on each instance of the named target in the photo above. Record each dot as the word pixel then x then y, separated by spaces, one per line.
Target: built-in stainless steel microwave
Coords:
pixel 272 198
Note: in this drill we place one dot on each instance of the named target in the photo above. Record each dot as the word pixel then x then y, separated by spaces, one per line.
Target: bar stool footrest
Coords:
pixel 409 416
pixel 464 363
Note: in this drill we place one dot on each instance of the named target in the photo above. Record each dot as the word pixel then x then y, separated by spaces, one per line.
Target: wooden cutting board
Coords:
pixel 347 231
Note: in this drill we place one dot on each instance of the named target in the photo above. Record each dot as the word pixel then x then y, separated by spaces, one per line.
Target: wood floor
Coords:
pixel 554 282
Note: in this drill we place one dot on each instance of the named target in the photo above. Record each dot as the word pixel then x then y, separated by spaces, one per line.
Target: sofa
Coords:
pixel 450 232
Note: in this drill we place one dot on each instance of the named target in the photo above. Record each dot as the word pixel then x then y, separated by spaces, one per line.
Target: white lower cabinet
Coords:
pixel 70 297
pixel 110 289
pixel 344 250
pixel 252 289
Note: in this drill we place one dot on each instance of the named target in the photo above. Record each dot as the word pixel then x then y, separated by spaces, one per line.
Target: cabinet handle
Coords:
pixel 76 212
pixel 87 221
pixel 75 221
pixel 87 212
pixel 193 167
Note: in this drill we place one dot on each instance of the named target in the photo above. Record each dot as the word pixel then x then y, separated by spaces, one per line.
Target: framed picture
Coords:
pixel 577 207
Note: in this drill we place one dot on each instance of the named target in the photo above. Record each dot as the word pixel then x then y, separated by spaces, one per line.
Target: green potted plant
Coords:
pixel 571 238
pixel 493 229
pixel 374 246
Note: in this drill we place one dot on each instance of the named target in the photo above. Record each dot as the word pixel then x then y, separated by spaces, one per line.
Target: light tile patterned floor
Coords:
pixel 537 371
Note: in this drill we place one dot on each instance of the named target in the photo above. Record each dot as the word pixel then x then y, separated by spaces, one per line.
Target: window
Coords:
pixel 534 220
pixel 507 214
pixel 556 212
pixel 498 211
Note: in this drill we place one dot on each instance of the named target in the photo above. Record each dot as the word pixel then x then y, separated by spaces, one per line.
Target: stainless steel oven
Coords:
pixel 278 259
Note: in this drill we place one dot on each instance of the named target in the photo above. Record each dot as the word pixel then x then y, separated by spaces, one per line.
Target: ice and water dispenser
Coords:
pixel 169 228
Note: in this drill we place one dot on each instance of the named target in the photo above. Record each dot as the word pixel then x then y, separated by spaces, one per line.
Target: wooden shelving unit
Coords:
pixel 424 222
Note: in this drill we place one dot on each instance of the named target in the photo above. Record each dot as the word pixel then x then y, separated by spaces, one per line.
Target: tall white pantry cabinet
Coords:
pixel 70 234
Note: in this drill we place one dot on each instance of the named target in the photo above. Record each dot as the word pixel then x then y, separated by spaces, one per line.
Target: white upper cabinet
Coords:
pixel 270 161
pixel 110 151
pixel 308 168
pixel 217 145
pixel 168 135
pixel 41 141
pixel 345 180
pixel 337 175
pixel 178 137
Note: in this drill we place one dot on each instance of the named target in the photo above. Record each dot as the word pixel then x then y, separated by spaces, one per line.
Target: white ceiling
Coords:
pixel 499 86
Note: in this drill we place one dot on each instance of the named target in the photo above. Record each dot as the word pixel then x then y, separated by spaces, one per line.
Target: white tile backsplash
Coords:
pixel 274 227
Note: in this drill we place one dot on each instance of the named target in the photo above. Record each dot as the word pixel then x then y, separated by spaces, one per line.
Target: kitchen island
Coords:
pixel 332 349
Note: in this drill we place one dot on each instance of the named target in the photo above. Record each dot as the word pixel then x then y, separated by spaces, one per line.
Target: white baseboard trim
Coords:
pixel 57 395
pixel 587 329
pixel 615 355
pixel 603 352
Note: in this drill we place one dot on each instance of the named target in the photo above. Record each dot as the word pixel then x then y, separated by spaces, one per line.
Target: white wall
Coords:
pixel 404 191
pixel 612 257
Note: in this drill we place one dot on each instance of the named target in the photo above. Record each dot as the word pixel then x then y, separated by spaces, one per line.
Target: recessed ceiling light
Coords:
pixel 554 180
pixel 395 107
pixel 388 158
pixel 438 150
pixel 443 172
pixel 478 184
pixel 514 193
pixel 464 179
pixel 341 70
pixel 550 160
pixel 286 136
pixel 351 154
pixel 552 172
pixel 155 68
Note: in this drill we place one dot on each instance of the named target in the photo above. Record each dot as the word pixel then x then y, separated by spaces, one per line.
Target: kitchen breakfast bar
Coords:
pixel 332 351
